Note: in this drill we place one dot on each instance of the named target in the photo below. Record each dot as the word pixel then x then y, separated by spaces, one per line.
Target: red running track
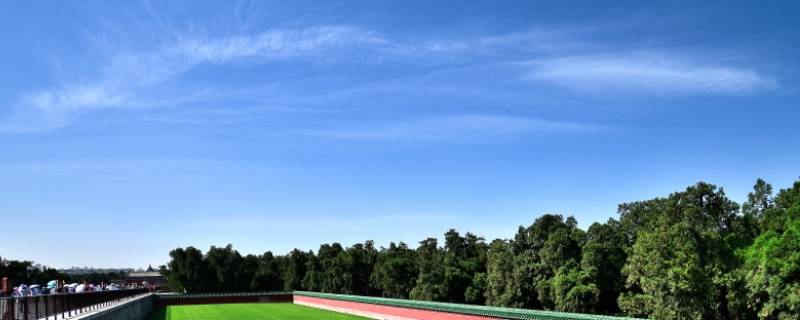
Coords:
pixel 382 312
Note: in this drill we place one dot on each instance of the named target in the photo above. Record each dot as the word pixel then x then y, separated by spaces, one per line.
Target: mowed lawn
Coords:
pixel 249 311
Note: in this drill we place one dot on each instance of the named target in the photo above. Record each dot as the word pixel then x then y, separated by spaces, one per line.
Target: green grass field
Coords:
pixel 250 311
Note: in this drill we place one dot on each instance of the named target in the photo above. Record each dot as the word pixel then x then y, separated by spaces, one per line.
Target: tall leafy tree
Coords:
pixel 677 266
pixel 430 280
pixel 523 274
pixel 294 269
pixel 500 290
pixel 248 268
pixel 559 261
pixel 759 200
pixel 603 257
pixel 359 261
pixel 474 263
pixel 188 271
pixel 395 273
pixel 789 198
pixel 224 264
pixel 336 276
pixel 573 291
pixel 268 273
pixel 314 276
pixel 550 244
pixel 771 270
pixel 772 273
pixel 666 265
pixel 757 211
pixel 327 272
pixel 464 257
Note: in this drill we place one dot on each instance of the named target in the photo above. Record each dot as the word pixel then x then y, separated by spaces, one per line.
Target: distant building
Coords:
pixel 151 276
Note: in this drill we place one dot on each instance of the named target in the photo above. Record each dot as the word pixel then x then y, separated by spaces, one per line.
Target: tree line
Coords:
pixel 27 272
pixel 694 254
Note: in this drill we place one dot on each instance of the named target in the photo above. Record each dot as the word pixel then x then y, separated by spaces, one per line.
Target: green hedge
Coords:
pixel 506 313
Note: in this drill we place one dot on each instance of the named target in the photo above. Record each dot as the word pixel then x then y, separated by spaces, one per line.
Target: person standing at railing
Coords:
pixel 5 288
pixel 35 290
pixel 22 290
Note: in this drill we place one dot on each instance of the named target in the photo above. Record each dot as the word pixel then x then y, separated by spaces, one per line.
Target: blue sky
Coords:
pixel 130 128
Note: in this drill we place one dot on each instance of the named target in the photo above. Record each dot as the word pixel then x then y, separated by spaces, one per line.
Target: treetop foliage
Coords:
pixel 694 254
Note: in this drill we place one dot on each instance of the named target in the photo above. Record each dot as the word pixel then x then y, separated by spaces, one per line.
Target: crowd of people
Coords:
pixel 56 287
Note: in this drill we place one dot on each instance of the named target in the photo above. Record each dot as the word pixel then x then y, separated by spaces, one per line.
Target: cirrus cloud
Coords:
pixel 452 129
pixel 652 73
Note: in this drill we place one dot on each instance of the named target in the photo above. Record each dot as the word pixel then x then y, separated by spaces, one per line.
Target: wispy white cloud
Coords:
pixel 136 80
pixel 149 79
pixel 278 44
pixel 111 169
pixel 533 42
pixel 454 129
pixel 154 78
pixel 651 73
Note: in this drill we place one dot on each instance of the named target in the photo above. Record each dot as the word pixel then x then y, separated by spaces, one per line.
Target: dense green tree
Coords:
pixel 548 245
pixel 225 266
pixel 188 271
pixel 268 274
pixel 248 268
pixel 560 260
pixel 294 269
pixel 756 211
pixel 464 257
pixel 771 269
pixel 759 200
pixel 474 264
pixel 677 266
pixel 313 278
pixel 395 273
pixel 789 198
pixel 603 257
pixel 333 263
pixel 694 254
pixel 430 280
pixel 359 263
pixel 573 291
pixel 667 266
pixel 499 274
pixel 523 274
pixel 772 273
pixel 476 292
pixel 327 271
pixel 786 210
